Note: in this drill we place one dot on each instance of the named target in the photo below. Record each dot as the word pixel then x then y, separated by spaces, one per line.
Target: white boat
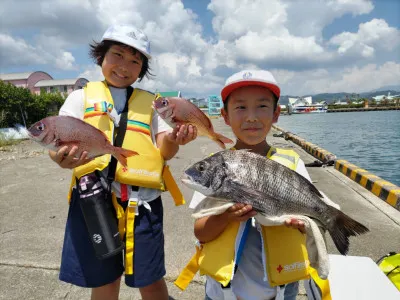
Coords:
pixel 313 108
pixel 304 105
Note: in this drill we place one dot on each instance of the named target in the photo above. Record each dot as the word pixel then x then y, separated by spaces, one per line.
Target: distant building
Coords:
pixel 62 85
pixel 340 103
pixel 300 101
pixel 38 82
pixel 199 102
pixel 170 94
pixel 214 105
pixel 389 97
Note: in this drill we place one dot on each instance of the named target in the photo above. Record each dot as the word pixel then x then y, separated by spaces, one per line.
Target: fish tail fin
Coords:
pixel 341 226
pixel 222 140
pixel 122 154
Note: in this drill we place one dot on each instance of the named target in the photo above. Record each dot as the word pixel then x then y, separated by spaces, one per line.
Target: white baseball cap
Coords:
pixel 250 77
pixel 129 35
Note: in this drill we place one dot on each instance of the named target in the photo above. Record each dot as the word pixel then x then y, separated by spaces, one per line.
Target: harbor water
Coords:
pixel 370 140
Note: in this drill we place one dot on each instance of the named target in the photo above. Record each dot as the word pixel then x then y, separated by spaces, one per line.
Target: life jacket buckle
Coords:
pixel 133 205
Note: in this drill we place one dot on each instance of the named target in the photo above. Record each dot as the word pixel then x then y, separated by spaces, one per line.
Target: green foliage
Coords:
pixel 17 104
pixel 331 106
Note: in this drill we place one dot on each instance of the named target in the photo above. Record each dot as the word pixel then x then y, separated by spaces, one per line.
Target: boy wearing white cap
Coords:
pixel 123 54
pixel 250 101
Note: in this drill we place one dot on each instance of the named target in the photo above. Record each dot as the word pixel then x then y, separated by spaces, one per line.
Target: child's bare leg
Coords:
pixel 107 292
pixel 157 290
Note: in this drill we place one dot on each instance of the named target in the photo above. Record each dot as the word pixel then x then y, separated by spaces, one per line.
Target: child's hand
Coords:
pixel 296 224
pixel 67 160
pixel 240 212
pixel 182 134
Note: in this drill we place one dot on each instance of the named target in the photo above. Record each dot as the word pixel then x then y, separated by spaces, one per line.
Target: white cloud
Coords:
pixel 375 34
pixel 16 52
pixel 283 35
pixel 352 79
pixel 92 73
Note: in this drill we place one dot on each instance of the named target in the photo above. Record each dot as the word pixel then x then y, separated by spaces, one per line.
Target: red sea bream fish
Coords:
pixel 179 111
pixel 59 131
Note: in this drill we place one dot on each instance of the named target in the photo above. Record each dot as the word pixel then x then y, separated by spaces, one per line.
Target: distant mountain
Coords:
pixel 387 88
pixel 332 97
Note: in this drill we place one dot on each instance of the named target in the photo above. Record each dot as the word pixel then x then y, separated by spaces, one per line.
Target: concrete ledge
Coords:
pixel 387 191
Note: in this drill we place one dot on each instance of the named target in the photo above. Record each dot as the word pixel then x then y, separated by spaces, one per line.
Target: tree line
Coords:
pixel 20 106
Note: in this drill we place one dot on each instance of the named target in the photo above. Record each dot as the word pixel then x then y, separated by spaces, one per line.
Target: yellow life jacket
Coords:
pixel 144 170
pixel 281 247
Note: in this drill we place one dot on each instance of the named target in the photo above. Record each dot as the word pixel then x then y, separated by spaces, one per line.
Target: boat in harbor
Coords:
pixel 304 105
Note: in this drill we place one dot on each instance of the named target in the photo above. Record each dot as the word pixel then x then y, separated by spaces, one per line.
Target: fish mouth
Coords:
pixel 161 109
pixel 186 179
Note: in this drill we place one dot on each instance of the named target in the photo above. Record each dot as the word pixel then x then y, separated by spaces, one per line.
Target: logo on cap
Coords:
pixel 247 75
pixel 132 35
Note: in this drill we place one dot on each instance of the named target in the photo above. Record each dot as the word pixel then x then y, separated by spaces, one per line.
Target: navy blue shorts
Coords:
pixel 81 267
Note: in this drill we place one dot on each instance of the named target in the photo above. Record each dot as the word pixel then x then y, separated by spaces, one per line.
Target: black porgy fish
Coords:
pixel 271 188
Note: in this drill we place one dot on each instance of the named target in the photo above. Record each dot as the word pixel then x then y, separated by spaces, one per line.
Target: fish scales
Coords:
pixel 272 179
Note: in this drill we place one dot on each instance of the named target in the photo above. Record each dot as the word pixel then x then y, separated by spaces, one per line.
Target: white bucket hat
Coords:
pixel 129 35
pixel 250 77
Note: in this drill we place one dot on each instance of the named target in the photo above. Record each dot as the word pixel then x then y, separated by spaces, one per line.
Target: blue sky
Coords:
pixel 310 46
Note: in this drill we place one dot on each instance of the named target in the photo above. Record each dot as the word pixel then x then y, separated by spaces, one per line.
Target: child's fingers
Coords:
pixel 191 135
pixel 295 224
pixel 194 132
pixel 242 210
pixel 61 153
pixel 175 130
pixel 235 207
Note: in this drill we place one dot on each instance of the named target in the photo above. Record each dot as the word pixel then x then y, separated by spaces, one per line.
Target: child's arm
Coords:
pixel 208 228
pixel 168 142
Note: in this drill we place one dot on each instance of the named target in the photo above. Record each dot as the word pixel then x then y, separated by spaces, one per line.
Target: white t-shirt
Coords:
pixel 248 282
pixel 74 106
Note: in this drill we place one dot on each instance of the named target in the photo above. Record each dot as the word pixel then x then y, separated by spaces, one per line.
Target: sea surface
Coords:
pixel 370 140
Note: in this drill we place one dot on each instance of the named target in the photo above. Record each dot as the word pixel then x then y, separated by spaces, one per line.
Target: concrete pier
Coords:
pixel 33 210
pixel 350 109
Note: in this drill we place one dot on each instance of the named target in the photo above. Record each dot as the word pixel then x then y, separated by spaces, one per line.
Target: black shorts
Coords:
pixel 81 267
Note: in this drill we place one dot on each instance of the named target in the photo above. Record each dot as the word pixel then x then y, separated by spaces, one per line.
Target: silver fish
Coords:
pixel 271 188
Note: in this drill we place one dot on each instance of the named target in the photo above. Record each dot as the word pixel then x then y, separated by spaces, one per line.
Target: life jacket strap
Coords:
pixel 187 275
pixel 130 233
pixel 172 187
pixel 323 284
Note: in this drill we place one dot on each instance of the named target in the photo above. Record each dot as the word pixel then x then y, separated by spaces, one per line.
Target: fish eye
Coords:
pixel 201 167
pixel 40 127
pixel 164 102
